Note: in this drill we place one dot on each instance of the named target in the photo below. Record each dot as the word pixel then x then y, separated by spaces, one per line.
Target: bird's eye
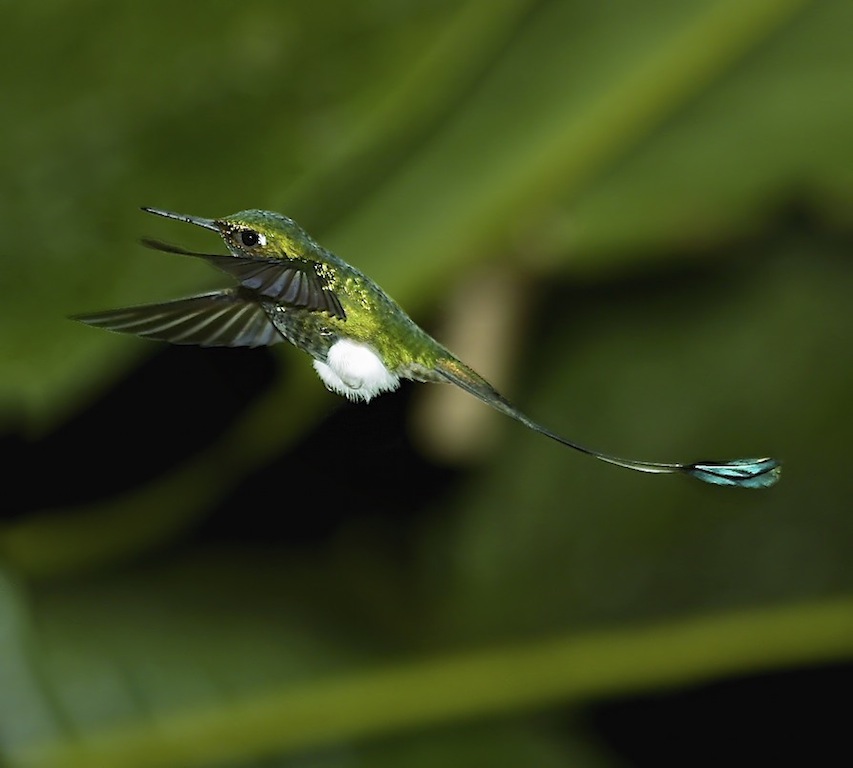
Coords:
pixel 250 238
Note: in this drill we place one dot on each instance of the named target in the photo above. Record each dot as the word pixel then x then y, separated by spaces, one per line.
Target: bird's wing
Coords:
pixel 229 318
pixel 292 282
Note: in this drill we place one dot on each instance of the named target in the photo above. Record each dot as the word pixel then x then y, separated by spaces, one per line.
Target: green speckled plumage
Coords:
pixel 291 288
pixel 371 316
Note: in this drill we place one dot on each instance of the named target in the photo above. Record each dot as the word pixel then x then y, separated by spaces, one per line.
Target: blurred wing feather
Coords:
pixel 288 281
pixel 227 318
pixel 294 282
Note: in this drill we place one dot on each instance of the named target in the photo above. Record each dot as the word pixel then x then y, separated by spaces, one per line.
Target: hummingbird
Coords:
pixel 290 288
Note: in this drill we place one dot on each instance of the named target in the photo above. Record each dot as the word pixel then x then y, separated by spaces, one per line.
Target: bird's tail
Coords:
pixel 741 473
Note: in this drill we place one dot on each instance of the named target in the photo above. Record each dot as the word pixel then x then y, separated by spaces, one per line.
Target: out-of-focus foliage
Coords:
pixel 670 183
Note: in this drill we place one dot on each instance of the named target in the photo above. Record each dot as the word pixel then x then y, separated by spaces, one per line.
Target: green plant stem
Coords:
pixel 565 670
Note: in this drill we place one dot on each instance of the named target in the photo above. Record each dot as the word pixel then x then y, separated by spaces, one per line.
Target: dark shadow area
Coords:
pixel 359 461
pixel 785 718
pixel 167 409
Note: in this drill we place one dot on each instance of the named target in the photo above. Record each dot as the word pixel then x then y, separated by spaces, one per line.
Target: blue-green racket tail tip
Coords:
pixel 740 473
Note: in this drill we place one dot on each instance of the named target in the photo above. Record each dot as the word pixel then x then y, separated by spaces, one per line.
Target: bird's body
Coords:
pixel 361 341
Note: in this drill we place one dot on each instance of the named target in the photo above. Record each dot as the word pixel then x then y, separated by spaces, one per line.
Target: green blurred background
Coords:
pixel 635 218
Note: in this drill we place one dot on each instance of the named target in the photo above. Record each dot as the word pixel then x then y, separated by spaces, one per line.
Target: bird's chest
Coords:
pixel 312 332
pixel 343 358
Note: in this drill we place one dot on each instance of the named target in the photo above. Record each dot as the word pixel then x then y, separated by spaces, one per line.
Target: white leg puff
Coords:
pixel 355 371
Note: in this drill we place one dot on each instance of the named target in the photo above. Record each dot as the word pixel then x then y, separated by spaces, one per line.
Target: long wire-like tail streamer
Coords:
pixel 739 473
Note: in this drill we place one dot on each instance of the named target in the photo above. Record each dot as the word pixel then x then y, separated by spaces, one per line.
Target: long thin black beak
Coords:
pixel 199 222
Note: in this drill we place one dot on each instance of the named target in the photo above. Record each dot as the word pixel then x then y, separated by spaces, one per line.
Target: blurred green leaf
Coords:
pixel 725 365
pixel 159 702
